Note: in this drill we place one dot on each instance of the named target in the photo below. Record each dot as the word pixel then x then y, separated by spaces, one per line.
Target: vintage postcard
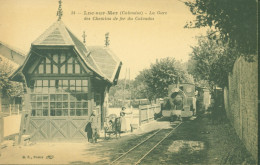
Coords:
pixel 128 82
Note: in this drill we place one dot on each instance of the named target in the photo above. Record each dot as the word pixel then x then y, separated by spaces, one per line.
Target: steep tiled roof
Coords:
pixel 78 44
pixel 56 34
pixel 99 59
pixel 105 59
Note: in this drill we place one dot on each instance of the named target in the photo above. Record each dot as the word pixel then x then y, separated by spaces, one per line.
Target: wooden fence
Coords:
pixel 146 113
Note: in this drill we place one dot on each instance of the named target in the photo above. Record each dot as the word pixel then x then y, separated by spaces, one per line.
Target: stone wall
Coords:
pixel 241 102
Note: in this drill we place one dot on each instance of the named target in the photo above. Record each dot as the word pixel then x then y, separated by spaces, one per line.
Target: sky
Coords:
pixel 138 43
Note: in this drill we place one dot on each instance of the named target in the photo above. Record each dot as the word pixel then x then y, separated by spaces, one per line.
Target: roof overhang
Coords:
pixel 58 36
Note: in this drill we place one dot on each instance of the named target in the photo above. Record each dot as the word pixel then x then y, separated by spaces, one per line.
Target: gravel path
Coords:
pixel 194 142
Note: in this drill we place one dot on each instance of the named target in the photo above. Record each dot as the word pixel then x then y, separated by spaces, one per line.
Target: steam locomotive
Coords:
pixel 181 101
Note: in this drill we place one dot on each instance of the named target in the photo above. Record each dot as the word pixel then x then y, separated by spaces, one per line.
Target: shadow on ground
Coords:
pixel 198 141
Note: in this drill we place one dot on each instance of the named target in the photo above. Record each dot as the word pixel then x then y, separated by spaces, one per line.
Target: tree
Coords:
pixel 233 33
pixel 191 67
pixel 141 90
pixel 235 20
pixel 7 87
pixel 122 90
pixel 203 56
pixel 160 75
pixel 153 82
pixel 212 60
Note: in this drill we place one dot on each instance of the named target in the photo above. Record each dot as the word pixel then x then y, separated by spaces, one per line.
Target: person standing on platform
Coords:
pixel 88 129
pixel 94 125
pixel 123 119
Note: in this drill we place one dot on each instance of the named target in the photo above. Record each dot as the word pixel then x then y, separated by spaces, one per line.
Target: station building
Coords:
pixel 65 81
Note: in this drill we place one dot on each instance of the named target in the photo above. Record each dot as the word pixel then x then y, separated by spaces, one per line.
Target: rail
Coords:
pixel 139 161
pixel 142 142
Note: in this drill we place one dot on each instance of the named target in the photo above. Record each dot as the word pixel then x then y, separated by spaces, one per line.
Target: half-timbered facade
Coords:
pixel 65 82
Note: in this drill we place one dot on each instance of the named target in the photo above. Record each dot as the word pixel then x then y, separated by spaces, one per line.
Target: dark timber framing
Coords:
pixel 64 82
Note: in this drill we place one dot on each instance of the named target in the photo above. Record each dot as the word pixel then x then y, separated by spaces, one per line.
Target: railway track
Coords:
pixel 136 154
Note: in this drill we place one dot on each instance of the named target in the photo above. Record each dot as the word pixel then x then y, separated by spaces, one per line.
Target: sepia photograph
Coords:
pixel 147 82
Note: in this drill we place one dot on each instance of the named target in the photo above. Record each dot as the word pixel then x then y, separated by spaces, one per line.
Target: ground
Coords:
pixel 197 141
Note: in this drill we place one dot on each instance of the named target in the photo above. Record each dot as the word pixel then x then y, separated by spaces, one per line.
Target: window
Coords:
pixel 59 64
pixel 48 65
pixel 70 65
pixel 62 58
pixel 39 104
pixel 59 105
pixel 84 86
pixel 45 86
pixel 55 69
pixel 78 104
pixel 38 86
pixel 77 68
pixel 41 68
pixel 63 69
pixel 55 58
pixel 59 98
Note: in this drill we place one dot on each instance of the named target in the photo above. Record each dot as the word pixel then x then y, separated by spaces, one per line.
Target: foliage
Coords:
pixel 140 86
pixel 128 90
pixel 151 83
pixel 8 88
pixel 235 20
pixel 222 67
pixel 211 61
pixel 233 34
pixel 160 75
pixel 123 90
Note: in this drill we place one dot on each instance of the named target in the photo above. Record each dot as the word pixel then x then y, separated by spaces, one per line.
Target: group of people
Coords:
pixel 92 126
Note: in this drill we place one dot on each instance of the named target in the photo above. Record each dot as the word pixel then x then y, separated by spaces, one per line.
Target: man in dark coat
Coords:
pixel 94 125
pixel 88 129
